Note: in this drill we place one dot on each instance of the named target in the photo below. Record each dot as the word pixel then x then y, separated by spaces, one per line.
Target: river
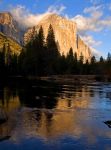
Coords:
pixel 45 115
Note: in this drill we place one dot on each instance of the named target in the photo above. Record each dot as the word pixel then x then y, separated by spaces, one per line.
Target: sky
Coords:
pixel 93 17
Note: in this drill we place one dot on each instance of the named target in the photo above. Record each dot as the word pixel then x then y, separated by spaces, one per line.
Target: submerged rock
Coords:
pixel 4 138
pixel 108 123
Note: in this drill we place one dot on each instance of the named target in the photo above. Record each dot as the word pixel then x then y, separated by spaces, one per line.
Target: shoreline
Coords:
pixel 60 79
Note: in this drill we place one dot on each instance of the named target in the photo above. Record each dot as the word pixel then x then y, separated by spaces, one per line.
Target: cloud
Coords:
pixel 26 19
pixel 93 44
pixel 89 40
pixel 92 20
pixel 92 9
pixel 90 23
pixel 96 52
pixel 96 2
pixel 56 9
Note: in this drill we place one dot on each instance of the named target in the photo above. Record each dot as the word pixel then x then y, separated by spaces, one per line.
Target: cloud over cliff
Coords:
pixel 27 19
pixel 92 20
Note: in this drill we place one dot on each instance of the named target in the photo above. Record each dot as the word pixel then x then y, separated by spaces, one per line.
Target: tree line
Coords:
pixel 41 57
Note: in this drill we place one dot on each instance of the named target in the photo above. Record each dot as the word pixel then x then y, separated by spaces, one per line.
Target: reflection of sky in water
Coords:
pixel 56 117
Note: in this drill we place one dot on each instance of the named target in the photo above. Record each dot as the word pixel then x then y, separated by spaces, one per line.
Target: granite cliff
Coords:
pixel 65 35
pixel 14 46
pixel 10 27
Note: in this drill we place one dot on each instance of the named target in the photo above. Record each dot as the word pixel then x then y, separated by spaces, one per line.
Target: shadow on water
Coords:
pixel 48 111
pixel 39 95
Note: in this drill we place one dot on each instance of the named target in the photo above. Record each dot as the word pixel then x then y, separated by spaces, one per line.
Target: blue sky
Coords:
pixel 93 17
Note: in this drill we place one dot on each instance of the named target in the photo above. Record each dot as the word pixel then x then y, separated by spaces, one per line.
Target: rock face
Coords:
pixel 9 27
pixel 14 46
pixel 83 49
pixel 65 35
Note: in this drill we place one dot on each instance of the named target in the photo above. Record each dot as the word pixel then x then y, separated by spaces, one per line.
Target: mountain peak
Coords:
pixel 5 13
pixel 10 27
pixel 53 17
pixel 6 18
pixel 65 34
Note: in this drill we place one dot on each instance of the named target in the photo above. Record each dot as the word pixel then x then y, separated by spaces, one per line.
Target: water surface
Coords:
pixel 50 116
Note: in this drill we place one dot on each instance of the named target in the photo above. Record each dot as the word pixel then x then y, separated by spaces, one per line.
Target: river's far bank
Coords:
pixel 61 79
pixel 77 79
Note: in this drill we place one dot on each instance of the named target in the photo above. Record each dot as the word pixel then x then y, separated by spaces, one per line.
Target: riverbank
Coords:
pixel 76 79
pixel 61 79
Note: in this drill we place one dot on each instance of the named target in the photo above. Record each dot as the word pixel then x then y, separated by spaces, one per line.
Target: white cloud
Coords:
pixel 92 22
pixel 85 24
pixel 89 40
pixel 96 2
pixel 27 19
pixel 92 9
pixel 56 9
pixel 95 20
pixel 96 52
pixel 92 43
pixel 24 17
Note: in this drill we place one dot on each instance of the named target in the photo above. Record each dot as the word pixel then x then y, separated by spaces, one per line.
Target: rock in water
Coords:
pixel 65 35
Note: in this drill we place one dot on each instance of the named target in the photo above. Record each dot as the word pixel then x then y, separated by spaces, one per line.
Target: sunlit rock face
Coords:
pixel 9 27
pixel 83 49
pixel 65 34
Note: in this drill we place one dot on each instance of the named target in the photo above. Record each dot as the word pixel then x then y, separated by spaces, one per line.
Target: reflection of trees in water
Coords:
pixel 40 95
pixel 108 95
pixel 48 119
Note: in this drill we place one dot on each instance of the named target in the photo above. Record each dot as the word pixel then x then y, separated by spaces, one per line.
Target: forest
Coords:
pixel 41 57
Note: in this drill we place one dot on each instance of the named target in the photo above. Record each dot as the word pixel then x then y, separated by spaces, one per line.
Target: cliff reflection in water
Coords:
pixel 49 111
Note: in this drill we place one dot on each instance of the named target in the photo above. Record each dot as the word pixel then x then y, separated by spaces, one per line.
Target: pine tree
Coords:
pixel 80 65
pixel 8 55
pixel 2 61
pixel 52 52
pixel 81 59
pixel 70 61
pixel 109 57
pixel 101 59
pixel 93 65
pixel 93 60
pixel 41 52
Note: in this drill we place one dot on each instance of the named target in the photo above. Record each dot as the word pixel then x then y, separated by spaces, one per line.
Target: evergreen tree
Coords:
pixel 81 61
pixel 75 64
pixel 52 52
pixel 63 64
pixel 70 61
pixel 93 60
pixel 14 65
pixel 86 67
pixel 93 66
pixel 108 65
pixel 109 57
pixel 2 61
pixel 41 52
pixel 101 59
